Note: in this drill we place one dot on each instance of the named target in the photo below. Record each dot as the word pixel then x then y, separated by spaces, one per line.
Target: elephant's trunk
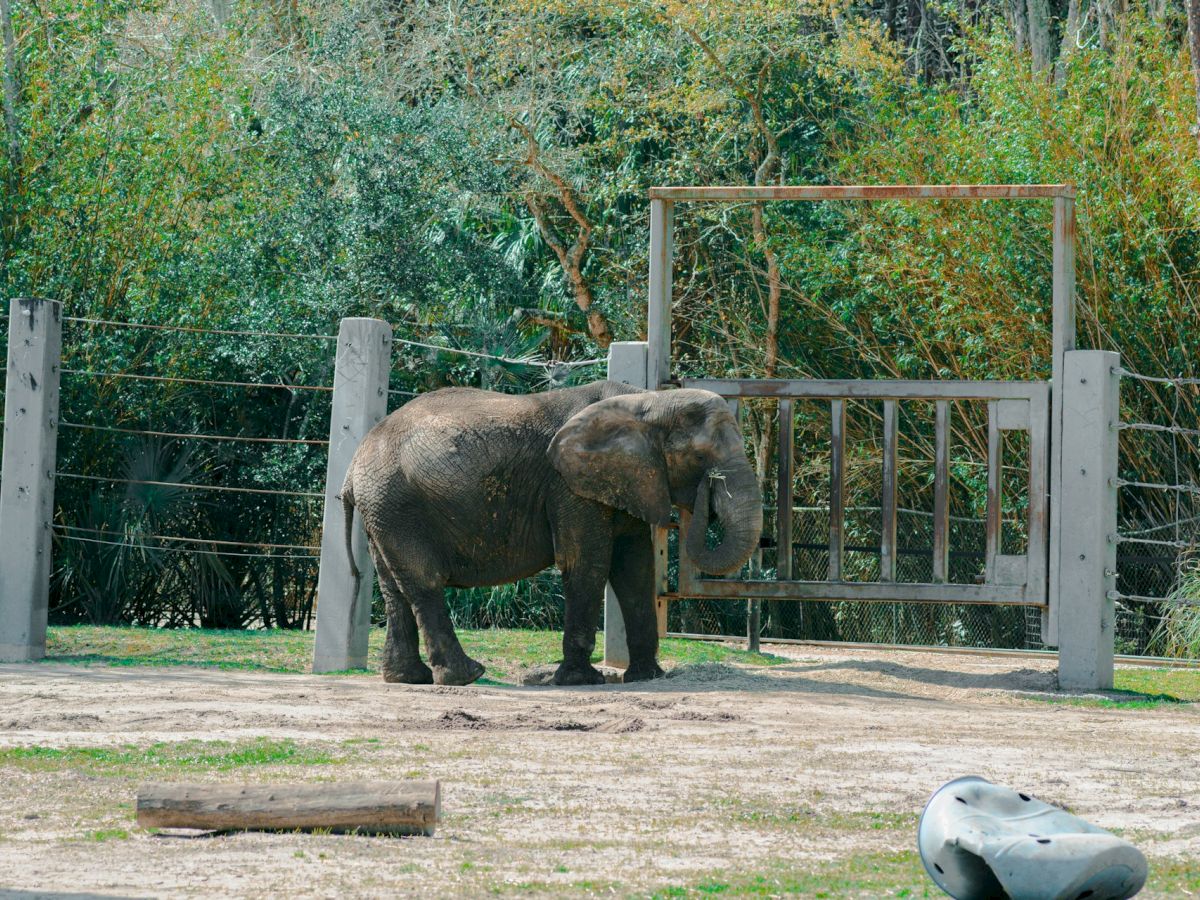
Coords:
pixel 737 502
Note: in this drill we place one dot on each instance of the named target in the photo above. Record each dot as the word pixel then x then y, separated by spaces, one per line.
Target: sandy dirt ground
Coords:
pixel 715 776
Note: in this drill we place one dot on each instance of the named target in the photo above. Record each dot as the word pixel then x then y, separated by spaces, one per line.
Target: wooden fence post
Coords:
pixel 1086 615
pixel 1063 341
pixel 627 363
pixel 360 399
pixel 27 481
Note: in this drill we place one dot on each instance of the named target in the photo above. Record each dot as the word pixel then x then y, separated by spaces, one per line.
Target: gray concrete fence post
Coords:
pixel 360 398
pixel 1088 550
pixel 627 363
pixel 27 480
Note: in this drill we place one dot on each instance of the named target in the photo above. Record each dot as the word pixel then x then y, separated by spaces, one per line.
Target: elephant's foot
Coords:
pixel 575 674
pixel 463 672
pixel 409 673
pixel 643 672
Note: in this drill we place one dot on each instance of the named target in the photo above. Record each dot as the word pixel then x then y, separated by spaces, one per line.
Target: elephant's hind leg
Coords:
pixel 450 663
pixel 401 650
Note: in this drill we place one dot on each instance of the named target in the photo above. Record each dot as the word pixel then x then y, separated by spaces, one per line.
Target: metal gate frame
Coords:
pixel 1041 566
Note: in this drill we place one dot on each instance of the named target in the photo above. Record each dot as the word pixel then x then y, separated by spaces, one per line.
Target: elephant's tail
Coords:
pixel 347 496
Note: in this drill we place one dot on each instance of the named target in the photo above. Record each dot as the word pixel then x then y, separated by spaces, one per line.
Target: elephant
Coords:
pixel 463 487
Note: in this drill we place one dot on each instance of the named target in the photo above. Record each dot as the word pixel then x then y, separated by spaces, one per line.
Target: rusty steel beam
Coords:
pixel 734 193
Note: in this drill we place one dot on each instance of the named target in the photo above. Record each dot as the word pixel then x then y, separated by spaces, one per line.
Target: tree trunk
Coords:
pixel 1038 12
pixel 1193 31
pixel 572 258
pixel 1070 41
pixel 1020 25
pixel 12 127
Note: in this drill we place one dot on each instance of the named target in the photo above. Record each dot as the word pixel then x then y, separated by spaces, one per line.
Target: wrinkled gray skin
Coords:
pixel 464 488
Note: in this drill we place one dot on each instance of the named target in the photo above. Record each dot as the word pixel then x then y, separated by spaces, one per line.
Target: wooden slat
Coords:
pixel 689 575
pixel 1063 325
pixel 887 553
pixel 993 491
pixel 867 591
pixel 866 192
pixel 658 311
pixel 783 493
pixel 837 489
pixel 941 493
pixel 803 389
pixel 1039 511
pixel 376 806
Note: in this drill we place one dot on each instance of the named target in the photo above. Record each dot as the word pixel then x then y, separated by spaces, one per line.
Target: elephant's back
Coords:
pixel 455 443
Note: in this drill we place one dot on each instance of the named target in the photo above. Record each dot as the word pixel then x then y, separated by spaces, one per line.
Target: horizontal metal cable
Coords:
pixel 1155 486
pixel 549 364
pixel 180 380
pixel 204 437
pixel 396 393
pixel 1147 426
pixel 174 537
pixel 1178 545
pixel 190 330
pixel 330 337
pixel 73 537
pixel 1125 373
pixel 194 487
pixel 1191 520
pixel 1117 596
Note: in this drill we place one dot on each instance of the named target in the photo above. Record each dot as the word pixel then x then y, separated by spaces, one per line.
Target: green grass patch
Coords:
pixel 505 652
pixel 805 819
pixel 1180 685
pixel 1173 878
pixel 263 651
pixel 1140 688
pixel 108 834
pixel 160 758
pixel 897 874
pixel 866 875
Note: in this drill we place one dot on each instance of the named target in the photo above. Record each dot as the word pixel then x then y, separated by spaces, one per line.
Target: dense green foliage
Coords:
pixel 476 174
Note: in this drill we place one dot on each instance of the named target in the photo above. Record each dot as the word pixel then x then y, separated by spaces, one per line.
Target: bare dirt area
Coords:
pixel 803 778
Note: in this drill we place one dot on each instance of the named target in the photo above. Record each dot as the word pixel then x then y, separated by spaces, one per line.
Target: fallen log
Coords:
pixel 377 807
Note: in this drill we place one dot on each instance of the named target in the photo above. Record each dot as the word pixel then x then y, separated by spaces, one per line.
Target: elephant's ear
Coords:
pixel 609 452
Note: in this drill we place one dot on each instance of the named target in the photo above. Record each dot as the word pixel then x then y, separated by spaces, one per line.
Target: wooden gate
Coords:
pixel 1066 571
pixel 1008 578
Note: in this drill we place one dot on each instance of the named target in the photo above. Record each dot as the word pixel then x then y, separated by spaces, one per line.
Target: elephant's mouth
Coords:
pixel 731 494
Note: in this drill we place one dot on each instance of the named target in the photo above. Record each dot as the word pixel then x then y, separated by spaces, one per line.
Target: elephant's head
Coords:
pixel 644 452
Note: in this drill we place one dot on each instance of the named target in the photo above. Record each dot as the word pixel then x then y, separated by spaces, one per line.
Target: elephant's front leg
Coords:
pixel 584 568
pixel 632 579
